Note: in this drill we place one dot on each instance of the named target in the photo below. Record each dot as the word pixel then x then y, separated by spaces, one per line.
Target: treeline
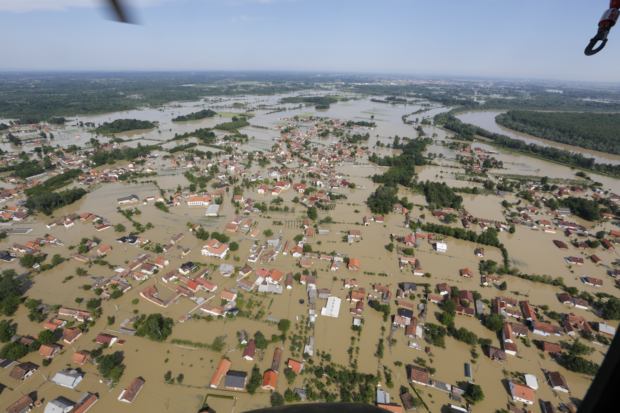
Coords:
pixel 319 102
pixel 101 157
pixel 206 135
pixel 598 131
pixel 26 169
pixel 401 172
pixel 488 237
pixel 356 138
pixel 440 195
pixel 11 289
pixel 47 201
pixel 583 208
pixel 402 167
pixel 233 125
pixel 180 148
pixel 13 139
pixel 55 182
pixel 362 123
pixel 123 125
pixel 468 132
pixel 201 114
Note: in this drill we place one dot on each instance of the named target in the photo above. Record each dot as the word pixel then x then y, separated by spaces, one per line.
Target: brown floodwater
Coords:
pixel 532 251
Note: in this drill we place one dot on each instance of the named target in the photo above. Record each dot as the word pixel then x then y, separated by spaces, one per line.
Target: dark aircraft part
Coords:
pixel 601 37
pixel 609 19
pixel 322 408
pixel 120 11
pixel 604 388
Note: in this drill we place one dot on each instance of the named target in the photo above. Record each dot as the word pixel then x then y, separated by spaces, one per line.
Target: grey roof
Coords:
pixel 68 378
pixel 59 405
pixel 235 379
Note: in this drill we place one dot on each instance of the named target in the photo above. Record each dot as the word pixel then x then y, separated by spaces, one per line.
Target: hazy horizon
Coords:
pixel 481 39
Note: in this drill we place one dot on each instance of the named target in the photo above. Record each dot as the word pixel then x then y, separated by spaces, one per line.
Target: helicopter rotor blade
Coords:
pixel 120 11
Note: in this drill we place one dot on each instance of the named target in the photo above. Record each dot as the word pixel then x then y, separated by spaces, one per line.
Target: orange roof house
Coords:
pixel 521 393
pixel 220 371
pixel 80 357
pixel 395 408
pixel 129 394
pixel 354 264
pixel 296 366
pixel 69 335
pixel 48 351
pixel 270 380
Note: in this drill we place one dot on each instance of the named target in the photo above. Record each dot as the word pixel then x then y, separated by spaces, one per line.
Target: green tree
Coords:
pixel 473 393
pixel 284 325
pixel 260 340
pixel 610 309
pixel 255 380
pixel 111 366
pixel 494 322
pixel 14 351
pixel 276 399
pixel 312 213
pixel 290 375
pixel 154 326
pixel 10 292
pixel 7 330
pixel 47 337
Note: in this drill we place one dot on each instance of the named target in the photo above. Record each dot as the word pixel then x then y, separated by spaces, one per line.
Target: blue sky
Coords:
pixel 489 38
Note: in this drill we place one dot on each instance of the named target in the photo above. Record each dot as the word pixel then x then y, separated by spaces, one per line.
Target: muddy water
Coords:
pixel 486 120
pixel 532 251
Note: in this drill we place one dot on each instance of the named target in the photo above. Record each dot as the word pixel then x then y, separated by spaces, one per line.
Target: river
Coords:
pixel 486 120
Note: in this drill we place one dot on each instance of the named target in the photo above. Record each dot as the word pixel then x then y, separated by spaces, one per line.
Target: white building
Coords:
pixel 332 308
pixel 440 246
pixel 68 378
pixel 59 405
pixel 531 381
pixel 213 210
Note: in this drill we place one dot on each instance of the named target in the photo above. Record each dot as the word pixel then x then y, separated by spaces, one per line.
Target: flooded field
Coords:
pixel 531 250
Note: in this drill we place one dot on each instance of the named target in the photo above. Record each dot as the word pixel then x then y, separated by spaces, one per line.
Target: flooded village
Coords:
pixel 238 252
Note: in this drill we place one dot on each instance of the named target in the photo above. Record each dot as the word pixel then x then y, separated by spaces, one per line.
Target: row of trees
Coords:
pixel 123 125
pixel 11 289
pixel 488 237
pixel 206 135
pixel 47 202
pixel 582 207
pixel 201 114
pixel 597 131
pixel 468 132
pixel 402 167
pixel 55 182
pixel 440 195
pixel 101 157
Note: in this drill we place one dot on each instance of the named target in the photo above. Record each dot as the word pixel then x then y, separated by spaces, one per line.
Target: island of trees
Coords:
pixel 234 124
pixel 202 114
pixel 123 125
pixel 401 171
pixel 319 102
